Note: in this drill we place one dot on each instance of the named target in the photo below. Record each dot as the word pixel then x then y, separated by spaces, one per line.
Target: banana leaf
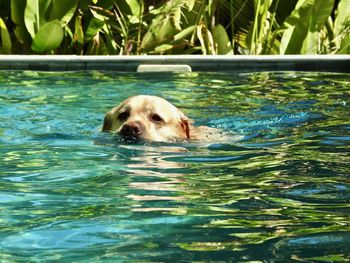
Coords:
pixel 301 33
pixel 222 41
pixel 35 15
pixel 48 37
pixel 6 44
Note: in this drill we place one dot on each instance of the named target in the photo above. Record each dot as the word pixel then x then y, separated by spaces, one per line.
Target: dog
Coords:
pixel 151 118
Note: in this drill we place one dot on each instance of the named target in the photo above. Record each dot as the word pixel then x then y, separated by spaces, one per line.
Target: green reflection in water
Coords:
pixel 70 193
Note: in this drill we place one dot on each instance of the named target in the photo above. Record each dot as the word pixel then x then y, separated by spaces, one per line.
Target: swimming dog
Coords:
pixel 146 117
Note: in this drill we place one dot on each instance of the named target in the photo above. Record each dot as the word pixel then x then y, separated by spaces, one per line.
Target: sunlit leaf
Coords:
pixel 78 32
pixel 130 7
pixel 35 15
pixel 92 29
pixel 166 29
pixel 49 37
pixel 163 48
pixel 184 33
pixel 222 41
pixel 6 44
pixel 310 43
pixel 343 15
pixel 191 4
pixel 302 26
pixel 345 46
pixel 99 15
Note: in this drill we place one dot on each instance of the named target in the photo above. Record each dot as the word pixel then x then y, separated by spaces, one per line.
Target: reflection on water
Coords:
pixel 281 193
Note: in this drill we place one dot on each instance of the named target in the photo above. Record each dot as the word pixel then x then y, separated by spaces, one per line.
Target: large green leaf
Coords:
pixel 130 7
pixel 343 16
pixel 320 12
pixel 165 30
pixel 345 45
pixel 17 16
pixel 35 15
pixel 63 10
pixel 93 28
pixel 6 44
pixel 135 7
pixel 48 37
pixel 310 43
pixel 302 27
pixel 222 41
pixel 17 11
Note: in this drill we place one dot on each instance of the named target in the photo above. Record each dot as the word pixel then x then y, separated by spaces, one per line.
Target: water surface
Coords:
pixel 280 194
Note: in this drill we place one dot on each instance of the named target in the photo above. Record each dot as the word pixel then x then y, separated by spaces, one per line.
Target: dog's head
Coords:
pixel 149 118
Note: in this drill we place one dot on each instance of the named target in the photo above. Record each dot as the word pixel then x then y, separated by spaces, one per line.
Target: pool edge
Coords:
pixel 216 63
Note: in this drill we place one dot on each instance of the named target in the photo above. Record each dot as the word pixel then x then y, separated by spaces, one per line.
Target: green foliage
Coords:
pixel 175 27
pixel 341 36
pixel 301 35
pixel 6 40
pixel 48 37
pixel 220 37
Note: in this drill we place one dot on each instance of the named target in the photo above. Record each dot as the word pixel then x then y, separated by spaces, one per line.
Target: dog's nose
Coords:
pixel 131 130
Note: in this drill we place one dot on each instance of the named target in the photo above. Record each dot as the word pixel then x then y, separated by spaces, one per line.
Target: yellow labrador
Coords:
pixel 152 118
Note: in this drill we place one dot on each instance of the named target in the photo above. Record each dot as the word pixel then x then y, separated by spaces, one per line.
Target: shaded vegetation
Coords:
pixel 134 27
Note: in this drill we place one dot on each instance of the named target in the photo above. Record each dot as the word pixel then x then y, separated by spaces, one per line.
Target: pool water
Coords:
pixel 279 194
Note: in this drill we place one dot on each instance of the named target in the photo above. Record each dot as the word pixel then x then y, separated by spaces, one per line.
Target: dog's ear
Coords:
pixel 185 126
pixel 107 122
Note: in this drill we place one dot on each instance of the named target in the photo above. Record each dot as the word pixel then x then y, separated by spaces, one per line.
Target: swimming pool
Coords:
pixel 70 193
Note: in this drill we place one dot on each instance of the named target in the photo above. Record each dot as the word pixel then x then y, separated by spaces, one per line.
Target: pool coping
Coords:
pixel 209 63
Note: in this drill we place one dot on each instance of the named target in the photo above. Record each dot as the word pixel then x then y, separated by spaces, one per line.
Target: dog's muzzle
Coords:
pixel 132 130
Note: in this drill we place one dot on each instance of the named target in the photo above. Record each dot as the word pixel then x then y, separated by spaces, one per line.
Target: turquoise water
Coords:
pixel 71 193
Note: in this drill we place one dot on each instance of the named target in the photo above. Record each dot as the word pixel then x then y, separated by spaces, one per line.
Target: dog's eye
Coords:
pixel 156 118
pixel 123 116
